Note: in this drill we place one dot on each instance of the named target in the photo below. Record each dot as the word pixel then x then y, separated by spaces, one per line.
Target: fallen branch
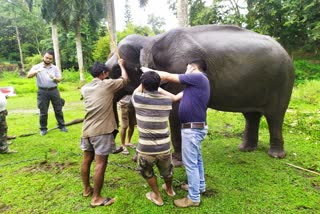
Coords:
pixel 298 167
pixel 76 121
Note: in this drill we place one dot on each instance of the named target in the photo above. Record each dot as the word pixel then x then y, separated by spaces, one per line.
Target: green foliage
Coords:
pixel 306 71
pixel 294 23
pixel 200 14
pixel 30 27
pixel 308 93
pixel 71 75
pixel 237 182
pixel 101 49
pixel 133 29
pixel 32 60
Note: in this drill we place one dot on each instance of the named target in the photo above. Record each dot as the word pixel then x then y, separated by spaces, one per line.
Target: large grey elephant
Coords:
pixel 248 72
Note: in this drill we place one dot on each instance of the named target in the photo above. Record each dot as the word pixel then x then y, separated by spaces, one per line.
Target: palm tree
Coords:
pixel 70 14
pixel 79 10
pixel 111 21
pixel 53 11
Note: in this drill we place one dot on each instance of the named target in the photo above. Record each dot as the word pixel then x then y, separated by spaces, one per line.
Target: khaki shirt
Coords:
pixel 98 101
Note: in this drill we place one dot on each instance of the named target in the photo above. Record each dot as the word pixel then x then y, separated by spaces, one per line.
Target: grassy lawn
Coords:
pixel 44 176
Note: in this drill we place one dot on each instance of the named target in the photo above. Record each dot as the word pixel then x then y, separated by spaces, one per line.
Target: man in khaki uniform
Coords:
pixel 97 140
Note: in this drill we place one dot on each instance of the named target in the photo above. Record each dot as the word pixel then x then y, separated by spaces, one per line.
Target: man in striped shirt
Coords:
pixel 152 114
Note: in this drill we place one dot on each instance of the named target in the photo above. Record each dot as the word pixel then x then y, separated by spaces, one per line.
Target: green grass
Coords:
pixel 44 177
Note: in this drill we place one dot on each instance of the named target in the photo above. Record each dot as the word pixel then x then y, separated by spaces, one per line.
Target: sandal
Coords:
pixel 125 152
pixel 148 195
pixel 131 145
pixel 106 202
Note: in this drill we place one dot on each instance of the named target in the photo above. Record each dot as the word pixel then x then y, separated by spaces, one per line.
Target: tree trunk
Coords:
pixel 20 50
pixel 79 51
pixel 182 13
pixel 55 40
pixel 111 20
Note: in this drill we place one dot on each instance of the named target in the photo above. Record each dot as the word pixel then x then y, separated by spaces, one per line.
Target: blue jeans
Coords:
pixel 192 160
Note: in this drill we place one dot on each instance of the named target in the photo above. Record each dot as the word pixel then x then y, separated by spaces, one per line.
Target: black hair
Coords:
pixel 97 68
pixel 150 80
pixel 50 52
pixel 200 63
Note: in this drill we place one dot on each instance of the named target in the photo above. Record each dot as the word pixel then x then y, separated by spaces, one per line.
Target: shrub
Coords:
pixel 307 70
pixel 32 60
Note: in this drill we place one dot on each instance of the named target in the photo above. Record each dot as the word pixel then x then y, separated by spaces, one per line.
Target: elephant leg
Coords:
pixel 276 139
pixel 175 128
pixel 250 137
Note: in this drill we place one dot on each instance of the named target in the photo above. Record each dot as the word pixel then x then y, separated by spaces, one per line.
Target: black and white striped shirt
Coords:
pixel 152 113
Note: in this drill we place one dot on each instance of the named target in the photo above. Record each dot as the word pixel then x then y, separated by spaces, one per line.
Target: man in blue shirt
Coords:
pixel 192 114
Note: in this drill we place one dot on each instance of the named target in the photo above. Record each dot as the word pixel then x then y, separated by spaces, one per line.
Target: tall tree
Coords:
pixel 111 21
pixel 156 23
pixel 54 12
pixel 127 13
pixel 182 13
pixel 200 14
pixel 14 11
pixel 82 10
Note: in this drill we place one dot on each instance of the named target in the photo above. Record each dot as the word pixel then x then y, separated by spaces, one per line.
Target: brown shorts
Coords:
pixel 101 144
pixel 162 161
pixel 128 116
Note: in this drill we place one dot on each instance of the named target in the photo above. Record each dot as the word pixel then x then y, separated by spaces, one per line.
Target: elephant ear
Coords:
pixel 173 50
pixel 146 59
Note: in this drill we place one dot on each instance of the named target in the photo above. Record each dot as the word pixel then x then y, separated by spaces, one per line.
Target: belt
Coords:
pixel 194 125
pixel 48 89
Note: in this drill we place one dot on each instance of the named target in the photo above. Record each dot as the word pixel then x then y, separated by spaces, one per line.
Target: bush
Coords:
pixel 307 70
pixel 72 75
pixel 32 60
pixel 102 49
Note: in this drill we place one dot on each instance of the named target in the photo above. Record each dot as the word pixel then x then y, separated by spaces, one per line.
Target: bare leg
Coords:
pixel 130 133
pixel 85 171
pixel 169 188
pixel 123 133
pixel 101 164
pixel 154 186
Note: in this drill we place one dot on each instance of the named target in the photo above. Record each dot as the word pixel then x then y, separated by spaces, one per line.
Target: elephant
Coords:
pixel 248 72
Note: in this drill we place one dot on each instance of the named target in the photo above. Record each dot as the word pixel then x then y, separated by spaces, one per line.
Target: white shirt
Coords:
pixel 3 102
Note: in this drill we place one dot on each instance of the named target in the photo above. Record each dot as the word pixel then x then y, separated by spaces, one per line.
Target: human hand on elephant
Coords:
pixel 145 69
pixel 161 73
pixel 121 62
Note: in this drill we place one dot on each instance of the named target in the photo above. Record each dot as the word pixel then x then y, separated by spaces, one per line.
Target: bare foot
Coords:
pixel 87 192
pixel 103 202
pixel 170 191
pixel 152 197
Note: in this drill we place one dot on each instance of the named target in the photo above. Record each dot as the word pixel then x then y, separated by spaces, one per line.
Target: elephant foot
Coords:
pixel 245 147
pixel 276 153
pixel 177 160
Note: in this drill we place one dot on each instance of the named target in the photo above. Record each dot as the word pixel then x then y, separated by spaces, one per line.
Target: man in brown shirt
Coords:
pixel 97 140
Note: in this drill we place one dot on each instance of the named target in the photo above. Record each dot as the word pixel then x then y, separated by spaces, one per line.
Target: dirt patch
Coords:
pixel 47 166
pixel 4 208
pixel 210 193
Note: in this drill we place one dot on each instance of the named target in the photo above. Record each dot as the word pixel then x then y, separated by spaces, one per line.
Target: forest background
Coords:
pixel 43 177
pixel 27 27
